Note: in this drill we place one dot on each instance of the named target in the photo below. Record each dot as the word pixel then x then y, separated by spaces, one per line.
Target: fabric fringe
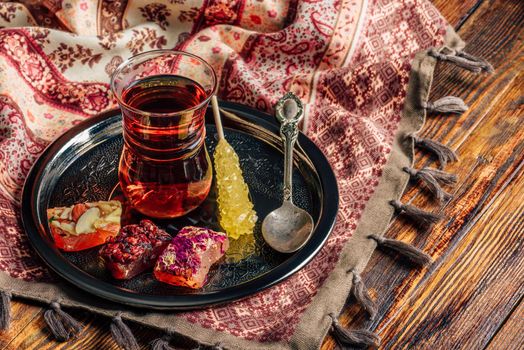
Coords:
pixel 443 152
pixel 122 334
pixel 361 294
pixel 162 343
pixel 419 216
pixel 5 309
pixel 448 104
pixel 433 178
pixel 463 60
pixel 356 337
pixel 61 324
pixel 414 254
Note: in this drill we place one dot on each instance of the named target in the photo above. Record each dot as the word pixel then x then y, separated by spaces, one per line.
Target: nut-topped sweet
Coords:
pixel 84 225
pixel 187 259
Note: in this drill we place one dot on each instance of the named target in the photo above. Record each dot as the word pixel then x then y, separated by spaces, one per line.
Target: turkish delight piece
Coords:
pixel 84 225
pixel 134 250
pixel 187 259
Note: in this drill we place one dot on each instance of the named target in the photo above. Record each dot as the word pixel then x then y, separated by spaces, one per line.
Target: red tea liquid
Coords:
pixel 165 170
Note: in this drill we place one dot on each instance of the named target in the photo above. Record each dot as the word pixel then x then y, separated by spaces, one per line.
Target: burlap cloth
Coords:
pixel 349 61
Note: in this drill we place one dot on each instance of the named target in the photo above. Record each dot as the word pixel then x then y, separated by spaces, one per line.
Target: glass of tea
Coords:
pixel 165 170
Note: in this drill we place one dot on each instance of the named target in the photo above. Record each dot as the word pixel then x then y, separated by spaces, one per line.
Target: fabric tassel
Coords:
pixel 122 334
pixel 407 250
pixel 443 152
pixel 61 324
pixel 5 309
pixel 419 216
pixel 448 104
pixel 463 60
pixel 362 296
pixel 357 337
pixel 162 343
pixel 433 178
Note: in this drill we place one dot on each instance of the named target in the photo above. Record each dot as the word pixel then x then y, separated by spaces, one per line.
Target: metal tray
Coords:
pixel 82 165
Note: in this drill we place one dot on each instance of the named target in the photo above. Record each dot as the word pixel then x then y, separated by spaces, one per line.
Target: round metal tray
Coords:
pixel 82 165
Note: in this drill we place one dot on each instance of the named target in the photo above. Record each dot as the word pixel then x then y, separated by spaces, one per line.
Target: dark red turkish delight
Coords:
pixel 134 250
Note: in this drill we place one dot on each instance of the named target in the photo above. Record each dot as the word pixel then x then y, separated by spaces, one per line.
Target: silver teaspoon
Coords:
pixel 288 228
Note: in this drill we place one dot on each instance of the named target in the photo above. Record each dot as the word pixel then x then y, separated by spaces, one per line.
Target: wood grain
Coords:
pixel 474 287
pixel 95 335
pixel 457 12
pixel 473 296
pixel 493 32
pixel 21 315
pixel 511 335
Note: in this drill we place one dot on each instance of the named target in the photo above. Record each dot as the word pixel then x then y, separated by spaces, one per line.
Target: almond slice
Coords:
pixel 86 222
pixel 68 227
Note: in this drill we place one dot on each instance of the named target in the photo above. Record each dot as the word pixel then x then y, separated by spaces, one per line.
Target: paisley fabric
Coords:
pixel 348 60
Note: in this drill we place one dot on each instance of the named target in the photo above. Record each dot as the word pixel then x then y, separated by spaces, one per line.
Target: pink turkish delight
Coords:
pixel 187 259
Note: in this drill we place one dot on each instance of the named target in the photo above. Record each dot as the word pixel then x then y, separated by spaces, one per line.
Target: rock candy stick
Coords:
pixel 236 214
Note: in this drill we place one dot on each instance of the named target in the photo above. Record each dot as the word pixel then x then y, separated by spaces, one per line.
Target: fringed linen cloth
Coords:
pixel 362 67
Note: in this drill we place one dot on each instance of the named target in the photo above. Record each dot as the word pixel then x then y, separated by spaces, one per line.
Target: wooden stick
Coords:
pixel 216 114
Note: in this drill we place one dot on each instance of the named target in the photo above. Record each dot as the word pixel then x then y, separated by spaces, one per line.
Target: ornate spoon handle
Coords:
pixel 289 112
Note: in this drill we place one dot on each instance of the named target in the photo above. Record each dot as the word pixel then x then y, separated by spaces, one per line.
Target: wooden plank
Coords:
pixel 511 335
pixel 21 315
pixel 493 32
pixel 95 334
pixel 36 335
pixel 456 12
pixel 475 287
pixel 98 335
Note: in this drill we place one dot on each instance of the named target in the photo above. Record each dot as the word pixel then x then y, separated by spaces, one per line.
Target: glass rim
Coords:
pixel 126 62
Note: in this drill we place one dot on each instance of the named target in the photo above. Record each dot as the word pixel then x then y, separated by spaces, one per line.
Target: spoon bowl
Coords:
pixel 287 228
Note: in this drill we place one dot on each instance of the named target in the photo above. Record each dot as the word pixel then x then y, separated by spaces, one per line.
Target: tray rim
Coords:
pixel 83 280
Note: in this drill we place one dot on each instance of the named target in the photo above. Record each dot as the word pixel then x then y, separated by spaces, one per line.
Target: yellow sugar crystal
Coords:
pixel 236 214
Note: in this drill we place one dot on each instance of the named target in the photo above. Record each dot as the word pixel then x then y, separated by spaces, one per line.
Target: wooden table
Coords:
pixel 472 297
